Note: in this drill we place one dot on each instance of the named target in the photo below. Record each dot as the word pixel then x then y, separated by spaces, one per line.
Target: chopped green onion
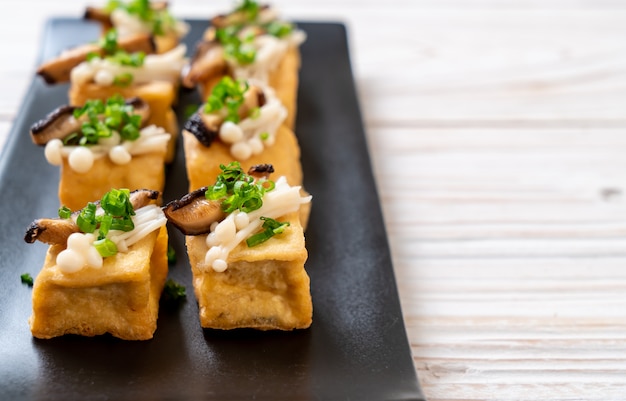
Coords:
pixel 238 190
pixel 106 221
pixel 242 51
pixel 117 203
pixel 268 185
pixel 227 93
pixel 255 113
pixel 250 8
pixel 109 42
pixel 128 59
pixel 105 247
pixel 171 255
pixel 65 212
pixel 104 119
pixel 271 228
pixel 123 224
pixel 118 211
pixel 86 220
pixel 217 191
pixel 251 204
pixel 123 80
pixel 190 110
pixel 27 279
pixel 173 292
pixel 264 136
pixel 161 20
pixel 279 29
pixel 114 54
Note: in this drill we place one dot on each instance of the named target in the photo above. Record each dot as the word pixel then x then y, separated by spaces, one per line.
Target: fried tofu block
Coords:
pixel 121 298
pixel 284 80
pixel 265 287
pixel 160 96
pixel 143 171
pixel 203 163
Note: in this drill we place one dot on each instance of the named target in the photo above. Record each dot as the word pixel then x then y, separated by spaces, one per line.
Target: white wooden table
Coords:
pixel 497 131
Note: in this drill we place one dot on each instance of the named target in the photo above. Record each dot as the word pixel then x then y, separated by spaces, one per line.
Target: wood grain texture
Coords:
pixel 497 131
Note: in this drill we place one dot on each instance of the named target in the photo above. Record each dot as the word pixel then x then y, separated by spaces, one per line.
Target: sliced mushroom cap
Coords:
pixel 208 61
pixel 259 171
pixel 143 197
pixel 206 126
pixel 50 231
pixel 233 18
pixel 253 98
pixel 99 15
pixel 193 214
pixel 61 122
pixel 56 125
pixel 205 133
pixel 56 231
pixel 59 69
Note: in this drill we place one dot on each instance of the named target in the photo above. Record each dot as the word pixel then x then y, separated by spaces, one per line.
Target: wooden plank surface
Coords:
pixel 497 131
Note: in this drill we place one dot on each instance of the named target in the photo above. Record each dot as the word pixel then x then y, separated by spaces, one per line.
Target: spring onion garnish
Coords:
pixel 227 93
pixel 278 28
pixel 114 54
pixel 171 255
pixel 255 113
pixel 108 43
pixel 241 49
pixel 118 117
pixel 65 212
pixel 105 247
pixel 238 190
pixel 160 20
pixel 123 80
pixel 173 292
pixel 118 212
pixel 271 227
pixel 250 8
pixel 128 59
pixel 190 110
pixel 236 48
pixel 27 279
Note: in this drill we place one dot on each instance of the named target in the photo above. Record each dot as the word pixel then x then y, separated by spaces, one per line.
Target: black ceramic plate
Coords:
pixel 356 348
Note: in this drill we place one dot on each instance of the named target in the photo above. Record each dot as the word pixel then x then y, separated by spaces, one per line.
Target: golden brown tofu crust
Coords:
pixel 145 171
pixel 203 163
pixel 121 298
pixel 265 287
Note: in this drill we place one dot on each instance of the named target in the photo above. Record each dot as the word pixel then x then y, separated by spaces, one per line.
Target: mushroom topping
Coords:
pixel 61 122
pixel 143 197
pixel 56 231
pixel 259 171
pixel 208 61
pixel 237 17
pixel 206 126
pixel 50 231
pixel 59 69
pixel 56 125
pixel 99 15
pixel 205 133
pixel 193 214
pixel 253 98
